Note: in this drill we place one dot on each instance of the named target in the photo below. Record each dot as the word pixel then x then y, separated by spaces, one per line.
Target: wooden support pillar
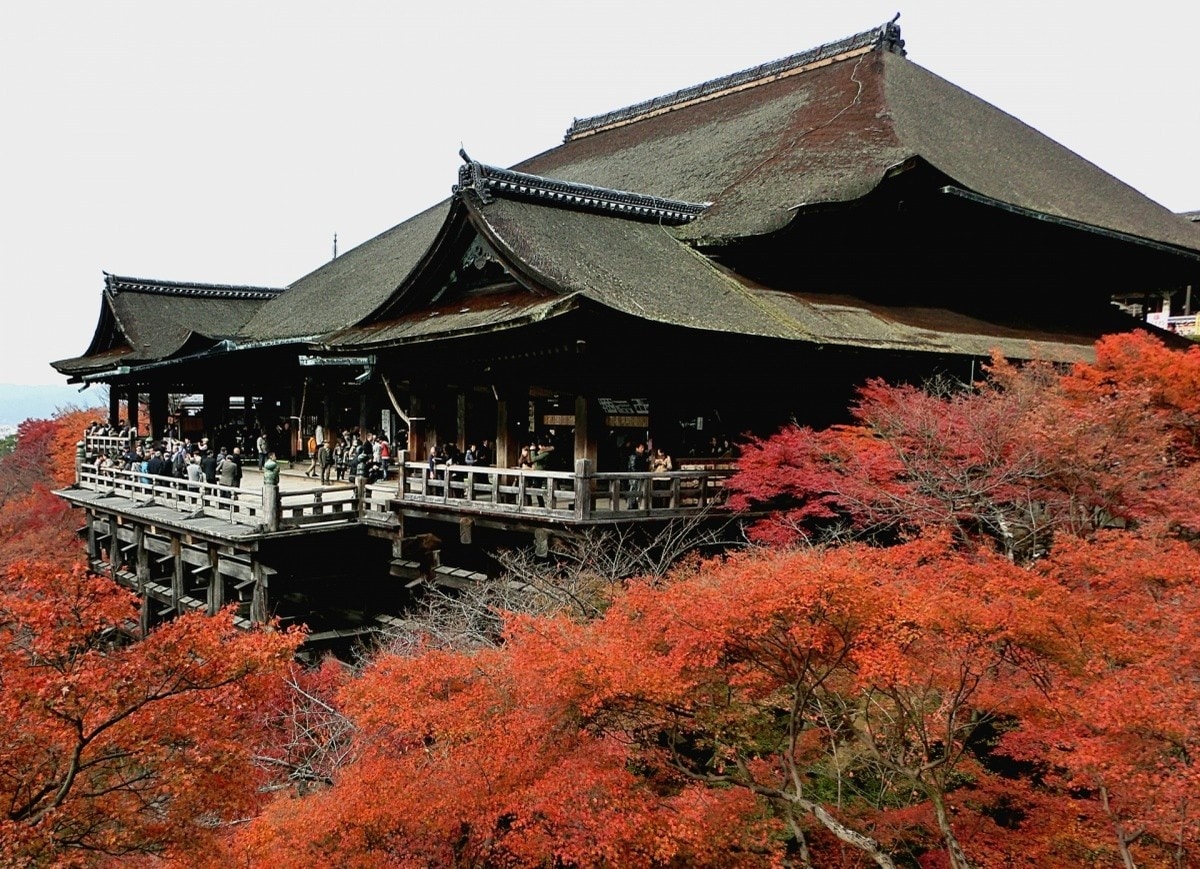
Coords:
pixel 177 568
pixel 131 406
pixel 258 602
pixel 398 539
pixel 141 559
pixel 144 615
pixel 362 412
pixel 460 420
pixel 588 420
pixel 216 413
pixel 418 450
pixel 511 407
pixel 215 599
pixel 93 543
pixel 158 412
pixel 402 458
pixel 115 554
pixel 114 405
pixel 270 495
pixel 583 488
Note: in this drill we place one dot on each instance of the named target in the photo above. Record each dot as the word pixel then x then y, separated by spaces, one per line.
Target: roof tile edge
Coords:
pixel 885 37
pixel 190 289
pixel 488 181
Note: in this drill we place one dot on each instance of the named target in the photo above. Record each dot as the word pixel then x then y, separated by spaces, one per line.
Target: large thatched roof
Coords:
pixel 822 126
pixel 734 159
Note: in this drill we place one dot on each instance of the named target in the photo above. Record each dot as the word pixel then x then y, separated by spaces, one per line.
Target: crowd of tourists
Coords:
pixel 348 456
pixel 180 459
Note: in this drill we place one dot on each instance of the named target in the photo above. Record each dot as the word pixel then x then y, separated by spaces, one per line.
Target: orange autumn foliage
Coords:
pixel 856 704
pixel 34 524
pixel 1027 454
pixel 109 747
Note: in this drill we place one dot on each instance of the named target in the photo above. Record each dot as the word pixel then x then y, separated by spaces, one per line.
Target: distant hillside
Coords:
pixel 20 402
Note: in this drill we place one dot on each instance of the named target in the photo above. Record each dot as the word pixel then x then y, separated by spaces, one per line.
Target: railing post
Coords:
pixel 80 455
pixel 583 489
pixel 270 495
pixel 400 474
pixel 360 495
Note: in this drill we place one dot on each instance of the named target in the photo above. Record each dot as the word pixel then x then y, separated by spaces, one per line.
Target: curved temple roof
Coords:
pixel 146 320
pixel 726 160
pixel 822 126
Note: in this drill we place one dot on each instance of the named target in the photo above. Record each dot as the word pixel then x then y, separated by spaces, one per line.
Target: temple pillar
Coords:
pixel 418 449
pixel 259 612
pixel 177 568
pixel 588 419
pixel 158 412
pixel 93 541
pixel 460 419
pixel 216 582
pixel 216 414
pixel 131 406
pixel 114 406
pixel 511 407
pixel 141 565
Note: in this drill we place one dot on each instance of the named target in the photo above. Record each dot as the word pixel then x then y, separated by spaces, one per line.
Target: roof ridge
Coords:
pixel 886 37
pixel 488 181
pixel 151 286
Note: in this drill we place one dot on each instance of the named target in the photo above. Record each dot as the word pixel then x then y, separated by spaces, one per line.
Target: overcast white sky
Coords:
pixel 226 142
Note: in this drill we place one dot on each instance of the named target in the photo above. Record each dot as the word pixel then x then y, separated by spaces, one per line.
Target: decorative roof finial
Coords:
pixel 889 37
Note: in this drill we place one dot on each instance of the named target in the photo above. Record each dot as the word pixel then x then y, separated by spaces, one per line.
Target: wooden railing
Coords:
pixel 108 445
pixel 269 508
pixel 580 496
pixel 239 506
pixel 301 507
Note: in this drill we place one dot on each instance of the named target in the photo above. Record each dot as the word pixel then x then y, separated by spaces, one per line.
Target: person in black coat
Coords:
pixel 208 464
pixel 157 466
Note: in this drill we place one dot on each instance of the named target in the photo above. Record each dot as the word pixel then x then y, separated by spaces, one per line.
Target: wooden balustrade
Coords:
pixel 578 496
pixel 581 496
pixel 239 506
pixel 108 445
pixel 300 507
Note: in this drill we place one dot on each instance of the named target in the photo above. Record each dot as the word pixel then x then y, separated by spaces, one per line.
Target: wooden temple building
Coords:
pixel 718 260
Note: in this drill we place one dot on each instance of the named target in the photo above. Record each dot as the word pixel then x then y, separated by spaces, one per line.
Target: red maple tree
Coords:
pixel 109 747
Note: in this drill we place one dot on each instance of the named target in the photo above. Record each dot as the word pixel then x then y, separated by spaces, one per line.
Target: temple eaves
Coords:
pixel 488 181
pixel 114 284
pixel 885 37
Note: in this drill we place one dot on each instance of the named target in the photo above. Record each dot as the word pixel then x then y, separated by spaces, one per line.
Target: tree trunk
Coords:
pixel 851 837
pixel 958 859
